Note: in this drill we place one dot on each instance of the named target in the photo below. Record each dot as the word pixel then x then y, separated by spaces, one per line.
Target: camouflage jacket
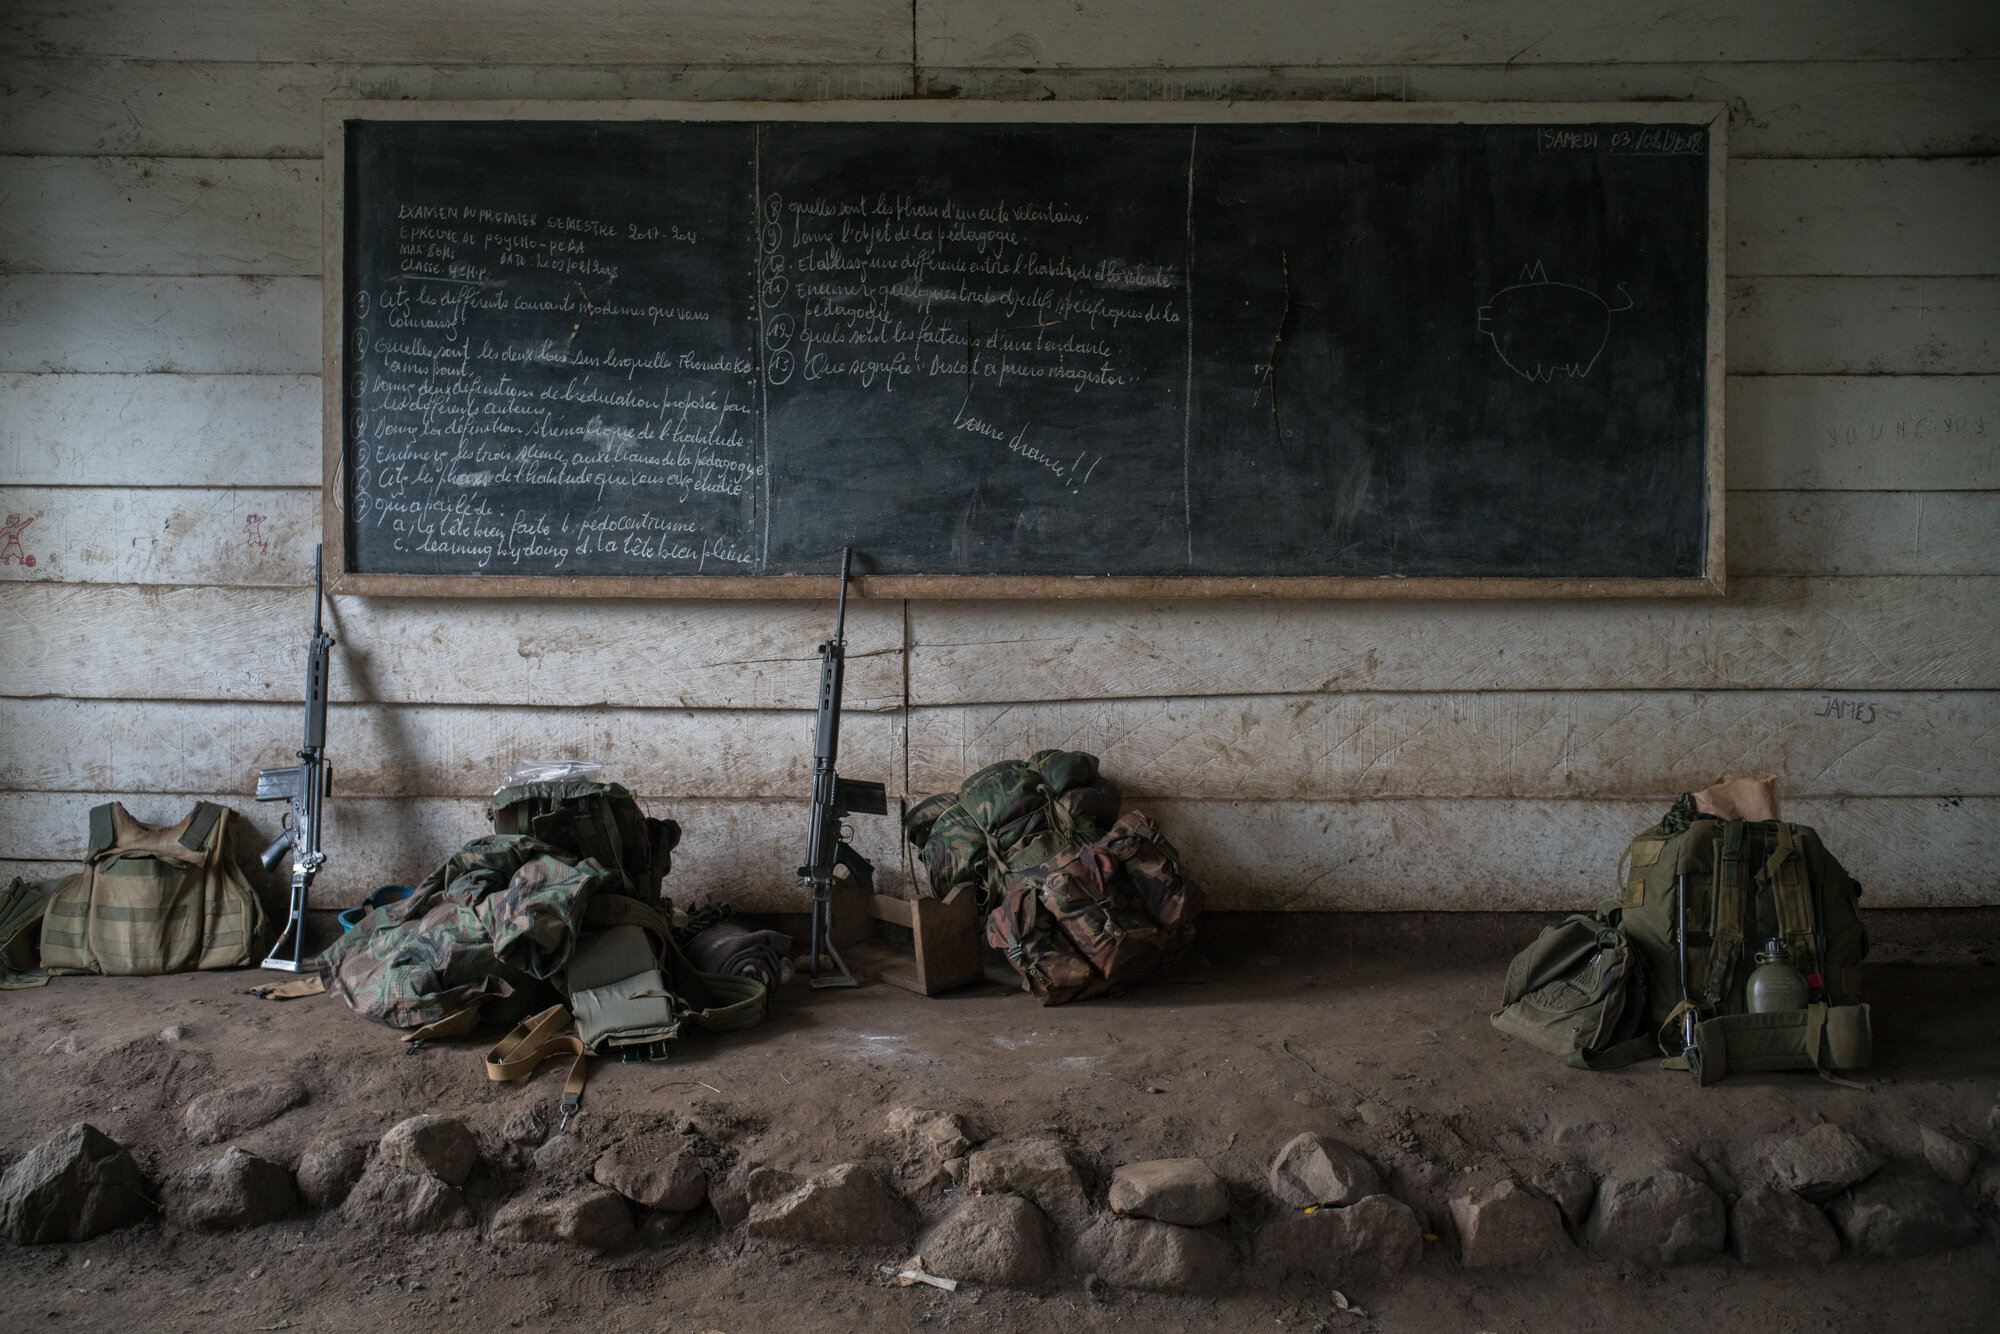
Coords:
pixel 501 910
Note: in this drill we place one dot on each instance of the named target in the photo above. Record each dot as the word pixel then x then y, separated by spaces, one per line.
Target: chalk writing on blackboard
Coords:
pixel 1543 329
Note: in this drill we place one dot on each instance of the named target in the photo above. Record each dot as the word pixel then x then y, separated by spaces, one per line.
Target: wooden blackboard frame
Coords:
pixel 339 112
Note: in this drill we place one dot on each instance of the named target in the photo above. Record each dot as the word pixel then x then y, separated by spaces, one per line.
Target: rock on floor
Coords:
pixel 76 1184
pixel 846 1206
pixel 928 1140
pixel 1036 1168
pixel 227 1113
pixel 1000 1240
pixel 1507 1224
pixel 1155 1257
pixel 329 1168
pixel 1658 1217
pixel 1310 1170
pixel 1823 1162
pixel 1950 1157
pixel 1170 1190
pixel 236 1190
pixel 593 1217
pixel 440 1146
pixel 1572 1188
pixel 1769 1226
pixel 1369 1241
pixel 659 1177
pixel 390 1199
pixel 1899 1215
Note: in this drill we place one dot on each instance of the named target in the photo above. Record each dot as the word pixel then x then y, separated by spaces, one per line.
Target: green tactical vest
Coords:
pixel 154 899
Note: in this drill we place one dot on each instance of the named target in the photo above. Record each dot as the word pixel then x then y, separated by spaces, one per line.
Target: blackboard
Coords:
pixel 1319 349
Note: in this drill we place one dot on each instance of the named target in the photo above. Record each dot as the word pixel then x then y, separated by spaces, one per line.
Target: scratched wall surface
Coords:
pixel 159 470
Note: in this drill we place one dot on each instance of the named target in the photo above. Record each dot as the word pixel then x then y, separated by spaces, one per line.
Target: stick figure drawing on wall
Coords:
pixel 253 535
pixel 11 551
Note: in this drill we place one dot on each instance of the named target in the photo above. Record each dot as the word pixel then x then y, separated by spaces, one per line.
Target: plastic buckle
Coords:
pixel 414 1045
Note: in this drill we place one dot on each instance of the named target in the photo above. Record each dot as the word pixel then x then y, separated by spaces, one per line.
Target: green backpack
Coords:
pixel 601 821
pixel 1602 990
pixel 1746 883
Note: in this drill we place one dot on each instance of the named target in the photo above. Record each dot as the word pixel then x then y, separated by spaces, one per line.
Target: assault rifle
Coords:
pixel 834 798
pixel 302 785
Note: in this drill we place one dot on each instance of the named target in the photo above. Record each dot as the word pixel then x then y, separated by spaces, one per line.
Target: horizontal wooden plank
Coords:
pixel 1864 326
pixel 253 326
pixel 119 642
pixel 263 537
pixel 1864 532
pixel 1862 433
pixel 1822 109
pixel 1786 432
pixel 1875 108
pixel 1865 217
pixel 1769 634
pixel 502 31
pixel 385 750
pixel 160 215
pixel 742 852
pixel 180 108
pixel 1543 855
pixel 1403 855
pixel 231 325
pixel 114 535
pixel 1018 33
pixel 1604 743
pixel 160 430
pixel 205 216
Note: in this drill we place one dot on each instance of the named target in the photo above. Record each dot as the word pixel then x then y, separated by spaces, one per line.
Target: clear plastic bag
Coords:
pixel 551 771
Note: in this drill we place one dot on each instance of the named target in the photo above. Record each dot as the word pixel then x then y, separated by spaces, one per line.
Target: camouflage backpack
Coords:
pixel 1098 914
pixel 1008 816
pixel 601 821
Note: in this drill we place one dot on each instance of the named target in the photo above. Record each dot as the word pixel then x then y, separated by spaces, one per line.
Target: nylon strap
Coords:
pixel 206 813
pixel 293 990
pixel 1786 873
pixel 533 1041
pixel 1726 920
pixel 1615 1057
pixel 454 1025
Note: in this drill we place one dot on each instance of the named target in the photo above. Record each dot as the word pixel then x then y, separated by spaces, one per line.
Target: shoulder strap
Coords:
pixel 200 825
pixel 533 1041
pixel 103 829
pixel 1791 889
pixel 1726 924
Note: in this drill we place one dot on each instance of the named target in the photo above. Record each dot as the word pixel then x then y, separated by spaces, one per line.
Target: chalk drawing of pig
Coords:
pixel 1543 329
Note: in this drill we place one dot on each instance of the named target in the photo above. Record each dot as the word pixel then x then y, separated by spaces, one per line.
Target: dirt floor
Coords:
pixel 1245 1047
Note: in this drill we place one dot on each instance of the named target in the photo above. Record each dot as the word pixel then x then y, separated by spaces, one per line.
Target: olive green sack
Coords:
pixel 155 899
pixel 1578 993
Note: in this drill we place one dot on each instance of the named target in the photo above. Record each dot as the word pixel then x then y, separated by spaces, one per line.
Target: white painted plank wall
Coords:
pixel 159 349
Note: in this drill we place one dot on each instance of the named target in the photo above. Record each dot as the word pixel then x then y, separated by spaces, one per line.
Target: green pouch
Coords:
pixel 1782 1040
pixel 617 993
